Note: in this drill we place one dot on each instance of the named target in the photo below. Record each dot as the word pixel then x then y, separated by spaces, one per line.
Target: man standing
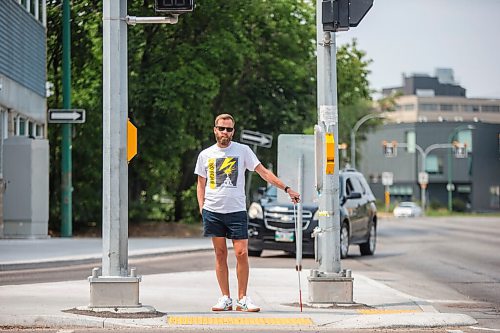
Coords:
pixel 222 201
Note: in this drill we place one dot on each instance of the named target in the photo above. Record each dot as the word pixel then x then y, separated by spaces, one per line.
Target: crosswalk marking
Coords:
pixel 385 311
pixel 186 320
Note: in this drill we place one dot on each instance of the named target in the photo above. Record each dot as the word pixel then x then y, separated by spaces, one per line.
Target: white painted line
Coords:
pixel 484 329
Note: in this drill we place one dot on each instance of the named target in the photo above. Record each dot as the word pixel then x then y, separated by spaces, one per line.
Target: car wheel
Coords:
pixel 254 253
pixel 344 241
pixel 368 248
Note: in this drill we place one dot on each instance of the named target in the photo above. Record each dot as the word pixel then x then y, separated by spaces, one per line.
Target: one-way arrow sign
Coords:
pixel 74 116
pixel 256 138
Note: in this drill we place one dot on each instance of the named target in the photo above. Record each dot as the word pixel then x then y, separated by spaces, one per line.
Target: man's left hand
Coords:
pixel 295 196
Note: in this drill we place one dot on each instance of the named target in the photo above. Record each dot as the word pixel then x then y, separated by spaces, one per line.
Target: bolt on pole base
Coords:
pixel 330 288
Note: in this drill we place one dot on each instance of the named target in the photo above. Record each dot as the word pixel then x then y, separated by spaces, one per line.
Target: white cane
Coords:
pixel 298 256
pixel 298 229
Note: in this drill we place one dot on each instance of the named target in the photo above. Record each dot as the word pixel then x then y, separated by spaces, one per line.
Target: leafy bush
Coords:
pixel 436 205
pixel 458 205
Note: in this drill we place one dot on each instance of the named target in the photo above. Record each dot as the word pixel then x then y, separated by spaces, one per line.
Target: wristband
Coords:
pixel 286 189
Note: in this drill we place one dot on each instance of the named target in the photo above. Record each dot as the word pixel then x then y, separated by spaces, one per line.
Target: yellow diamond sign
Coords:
pixel 131 140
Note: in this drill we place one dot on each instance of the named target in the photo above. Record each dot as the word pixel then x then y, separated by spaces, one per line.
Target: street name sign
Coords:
pixel 256 138
pixel 66 116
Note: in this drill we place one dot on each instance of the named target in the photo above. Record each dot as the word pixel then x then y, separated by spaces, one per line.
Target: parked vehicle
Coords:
pixel 407 209
pixel 271 224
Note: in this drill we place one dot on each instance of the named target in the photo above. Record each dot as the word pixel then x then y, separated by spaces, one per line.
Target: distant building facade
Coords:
pixel 431 112
pixel 24 151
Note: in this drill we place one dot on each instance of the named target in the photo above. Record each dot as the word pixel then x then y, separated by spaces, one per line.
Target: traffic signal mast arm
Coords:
pixel 133 20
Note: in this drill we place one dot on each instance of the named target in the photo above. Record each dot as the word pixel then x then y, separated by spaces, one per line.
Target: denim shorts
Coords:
pixel 230 225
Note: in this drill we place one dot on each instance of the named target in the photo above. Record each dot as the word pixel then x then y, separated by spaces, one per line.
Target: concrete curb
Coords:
pixel 89 259
pixel 339 321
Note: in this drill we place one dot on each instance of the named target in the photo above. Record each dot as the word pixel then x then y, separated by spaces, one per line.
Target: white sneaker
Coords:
pixel 225 303
pixel 246 304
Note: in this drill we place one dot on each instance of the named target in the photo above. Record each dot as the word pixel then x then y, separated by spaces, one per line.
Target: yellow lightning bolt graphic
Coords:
pixel 228 165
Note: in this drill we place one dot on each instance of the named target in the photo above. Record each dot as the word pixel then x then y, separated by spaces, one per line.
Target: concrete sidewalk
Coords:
pixel 185 298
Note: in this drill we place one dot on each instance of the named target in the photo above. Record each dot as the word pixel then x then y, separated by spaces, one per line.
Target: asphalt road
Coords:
pixel 454 263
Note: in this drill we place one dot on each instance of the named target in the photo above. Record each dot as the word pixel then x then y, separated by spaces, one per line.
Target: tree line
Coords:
pixel 253 59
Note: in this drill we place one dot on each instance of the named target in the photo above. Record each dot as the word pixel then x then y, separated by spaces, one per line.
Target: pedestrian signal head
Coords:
pixel 174 6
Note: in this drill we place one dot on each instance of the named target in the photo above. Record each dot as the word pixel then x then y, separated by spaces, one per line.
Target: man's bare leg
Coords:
pixel 221 269
pixel 242 267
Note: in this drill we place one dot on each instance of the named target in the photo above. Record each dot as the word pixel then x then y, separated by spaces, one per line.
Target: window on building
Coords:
pixel 411 141
pixel 447 107
pixel 4 124
pixel 465 137
pixel 470 108
pixel 425 92
pixel 490 108
pixel 434 165
pixel 21 126
pixel 409 107
pixel 403 190
pixel 39 131
pixel 428 107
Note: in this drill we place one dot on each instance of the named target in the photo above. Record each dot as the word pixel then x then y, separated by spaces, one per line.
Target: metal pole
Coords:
pixel 353 134
pixel 329 222
pixel 115 168
pixel 424 157
pixel 423 186
pixel 66 162
pixel 299 218
pixel 449 186
pixel 44 13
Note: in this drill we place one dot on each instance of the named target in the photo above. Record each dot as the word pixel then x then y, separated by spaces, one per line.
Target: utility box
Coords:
pixel 26 199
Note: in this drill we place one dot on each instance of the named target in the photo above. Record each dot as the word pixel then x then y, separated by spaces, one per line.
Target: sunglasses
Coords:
pixel 222 129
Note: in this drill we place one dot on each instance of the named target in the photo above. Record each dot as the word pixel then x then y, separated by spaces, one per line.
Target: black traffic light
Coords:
pixel 174 6
pixel 340 15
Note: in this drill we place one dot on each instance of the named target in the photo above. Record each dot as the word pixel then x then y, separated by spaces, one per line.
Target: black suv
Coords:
pixel 271 225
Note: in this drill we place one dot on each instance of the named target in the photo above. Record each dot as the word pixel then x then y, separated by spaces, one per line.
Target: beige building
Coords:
pixel 414 108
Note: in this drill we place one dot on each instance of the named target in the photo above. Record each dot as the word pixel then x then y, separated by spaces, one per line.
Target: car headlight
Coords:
pixel 255 211
pixel 316 215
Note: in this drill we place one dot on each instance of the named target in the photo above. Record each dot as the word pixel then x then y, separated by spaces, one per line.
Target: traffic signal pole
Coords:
pixel 328 284
pixel 115 287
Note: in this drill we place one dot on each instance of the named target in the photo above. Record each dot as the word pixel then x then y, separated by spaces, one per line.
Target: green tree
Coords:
pixel 86 31
pixel 253 59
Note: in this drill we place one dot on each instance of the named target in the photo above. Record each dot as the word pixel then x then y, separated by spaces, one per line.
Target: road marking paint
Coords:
pixel 385 311
pixel 484 329
pixel 185 320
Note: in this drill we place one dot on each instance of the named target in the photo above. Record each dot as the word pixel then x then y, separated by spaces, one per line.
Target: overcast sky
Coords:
pixel 417 36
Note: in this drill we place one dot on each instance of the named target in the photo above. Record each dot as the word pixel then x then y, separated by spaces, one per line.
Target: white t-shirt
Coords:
pixel 224 169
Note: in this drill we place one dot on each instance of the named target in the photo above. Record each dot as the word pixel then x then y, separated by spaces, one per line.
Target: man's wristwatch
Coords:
pixel 286 189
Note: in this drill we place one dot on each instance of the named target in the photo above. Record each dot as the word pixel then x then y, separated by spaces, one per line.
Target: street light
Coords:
pixel 423 156
pixel 355 129
pixel 449 186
